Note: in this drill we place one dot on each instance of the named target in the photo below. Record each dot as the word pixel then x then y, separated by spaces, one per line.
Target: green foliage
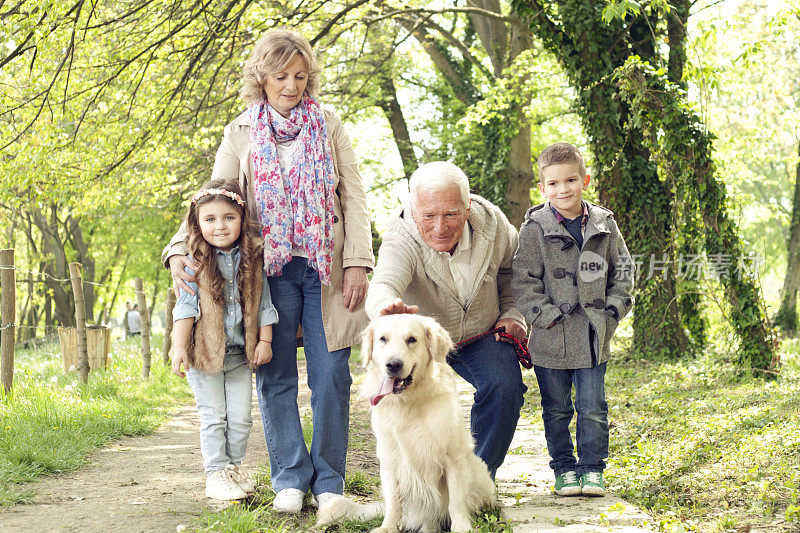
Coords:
pixel 111 116
pixel 526 94
pixel 491 520
pixel 697 446
pixel 50 422
pixel 255 514
pixel 620 9
pixel 753 112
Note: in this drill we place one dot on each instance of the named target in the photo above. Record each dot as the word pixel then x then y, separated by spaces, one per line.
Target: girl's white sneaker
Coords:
pixel 288 501
pixel 242 478
pixel 221 486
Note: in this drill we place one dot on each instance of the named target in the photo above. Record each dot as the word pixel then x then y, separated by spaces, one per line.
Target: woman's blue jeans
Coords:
pixel 591 427
pixel 296 294
pixel 493 369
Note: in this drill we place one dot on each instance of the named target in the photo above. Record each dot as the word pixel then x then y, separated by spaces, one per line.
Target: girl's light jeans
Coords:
pixel 224 402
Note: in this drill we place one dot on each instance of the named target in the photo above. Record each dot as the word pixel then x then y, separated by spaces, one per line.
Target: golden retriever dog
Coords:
pixel 430 476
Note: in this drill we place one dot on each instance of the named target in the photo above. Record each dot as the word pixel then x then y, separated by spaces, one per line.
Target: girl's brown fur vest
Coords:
pixel 207 346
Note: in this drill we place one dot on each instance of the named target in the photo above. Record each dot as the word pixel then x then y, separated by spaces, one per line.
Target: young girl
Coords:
pixel 223 331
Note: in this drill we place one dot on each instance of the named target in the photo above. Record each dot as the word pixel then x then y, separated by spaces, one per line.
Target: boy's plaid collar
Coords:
pixel 561 218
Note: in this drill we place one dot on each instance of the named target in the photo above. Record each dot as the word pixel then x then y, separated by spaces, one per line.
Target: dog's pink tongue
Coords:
pixel 386 387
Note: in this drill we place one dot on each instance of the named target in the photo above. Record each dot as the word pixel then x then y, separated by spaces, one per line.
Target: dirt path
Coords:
pixel 156 483
pixel 139 484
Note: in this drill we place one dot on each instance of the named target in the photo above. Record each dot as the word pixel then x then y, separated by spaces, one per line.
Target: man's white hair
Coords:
pixel 437 176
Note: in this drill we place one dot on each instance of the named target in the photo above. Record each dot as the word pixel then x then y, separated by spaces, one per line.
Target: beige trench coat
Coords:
pixel 352 235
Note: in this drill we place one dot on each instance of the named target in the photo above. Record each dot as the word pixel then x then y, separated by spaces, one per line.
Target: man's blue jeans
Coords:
pixel 591 431
pixel 296 294
pixel 493 369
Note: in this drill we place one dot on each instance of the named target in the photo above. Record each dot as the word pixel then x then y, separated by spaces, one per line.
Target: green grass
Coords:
pixel 702 448
pixel 361 483
pixel 49 422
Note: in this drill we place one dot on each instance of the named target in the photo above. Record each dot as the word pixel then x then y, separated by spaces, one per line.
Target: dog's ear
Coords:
pixel 439 341
pixel 366 345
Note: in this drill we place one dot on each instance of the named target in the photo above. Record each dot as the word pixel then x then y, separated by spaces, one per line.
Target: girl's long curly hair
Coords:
pixel 202 252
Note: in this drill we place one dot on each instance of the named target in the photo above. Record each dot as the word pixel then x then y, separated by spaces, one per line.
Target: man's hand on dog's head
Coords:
pixel 397 307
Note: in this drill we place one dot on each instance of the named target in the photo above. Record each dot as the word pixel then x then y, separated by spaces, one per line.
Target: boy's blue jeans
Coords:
pixel 296 294
pixel 493 369
pixel 591 431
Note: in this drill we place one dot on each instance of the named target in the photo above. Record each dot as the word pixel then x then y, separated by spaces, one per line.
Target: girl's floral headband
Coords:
pixel 230 194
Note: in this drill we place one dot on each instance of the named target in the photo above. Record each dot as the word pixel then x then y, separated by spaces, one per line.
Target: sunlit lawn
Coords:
pixel 49 422
pixel 702 448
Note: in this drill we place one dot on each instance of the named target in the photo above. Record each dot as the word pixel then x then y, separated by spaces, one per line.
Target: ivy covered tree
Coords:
pixel 591 41
pixel 681 144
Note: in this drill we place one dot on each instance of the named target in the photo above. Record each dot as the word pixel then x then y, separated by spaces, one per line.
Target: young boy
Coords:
pixel 571 278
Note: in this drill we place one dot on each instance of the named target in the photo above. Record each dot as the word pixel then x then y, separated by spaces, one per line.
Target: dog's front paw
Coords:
pixel 385 529
pixel 460 525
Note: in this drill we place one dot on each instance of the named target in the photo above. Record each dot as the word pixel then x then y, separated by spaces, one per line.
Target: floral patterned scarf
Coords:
pixel 295 207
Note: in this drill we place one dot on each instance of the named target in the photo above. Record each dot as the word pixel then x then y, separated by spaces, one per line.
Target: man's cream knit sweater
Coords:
pixel 409 269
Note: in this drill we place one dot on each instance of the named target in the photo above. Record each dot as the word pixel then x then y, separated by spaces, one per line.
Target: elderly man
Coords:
pixel 448 255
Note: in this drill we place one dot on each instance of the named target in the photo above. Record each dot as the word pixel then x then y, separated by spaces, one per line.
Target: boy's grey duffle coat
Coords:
pixel 598 278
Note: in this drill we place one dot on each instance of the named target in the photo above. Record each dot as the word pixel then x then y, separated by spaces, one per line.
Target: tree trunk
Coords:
pixel 116 289
pixel 48 313
pixel 56 267
pixel 668 122
pixel 397 121
pixel 519 174
pixel 786 318
pixel 450 70
pixel 155 293
pixel 85 259
pixel 689 300
pixel 492 33
pixel 22 331
pixel 676 34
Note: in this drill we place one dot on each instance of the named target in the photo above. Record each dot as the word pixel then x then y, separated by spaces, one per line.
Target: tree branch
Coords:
pixel 420 11
pixel 461 48
pixel 332 22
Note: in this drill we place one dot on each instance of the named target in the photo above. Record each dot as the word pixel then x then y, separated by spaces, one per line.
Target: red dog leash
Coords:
pixel 521 347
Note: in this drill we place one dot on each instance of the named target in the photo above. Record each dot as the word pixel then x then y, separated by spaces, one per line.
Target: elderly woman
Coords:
pixel 448 254
pixel 302 186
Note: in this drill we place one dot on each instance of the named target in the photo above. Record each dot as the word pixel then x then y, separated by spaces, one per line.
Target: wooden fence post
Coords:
pixel 80 320
pixel 168 325
pixel 144 313
pixel 8 310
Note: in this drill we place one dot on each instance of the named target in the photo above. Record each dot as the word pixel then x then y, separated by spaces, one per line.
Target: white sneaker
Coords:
pixel 242 478
pixel 288 501
pixel 220 486
pixel 319 499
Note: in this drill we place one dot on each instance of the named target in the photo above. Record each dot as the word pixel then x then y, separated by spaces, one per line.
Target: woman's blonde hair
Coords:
pixel 270 55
